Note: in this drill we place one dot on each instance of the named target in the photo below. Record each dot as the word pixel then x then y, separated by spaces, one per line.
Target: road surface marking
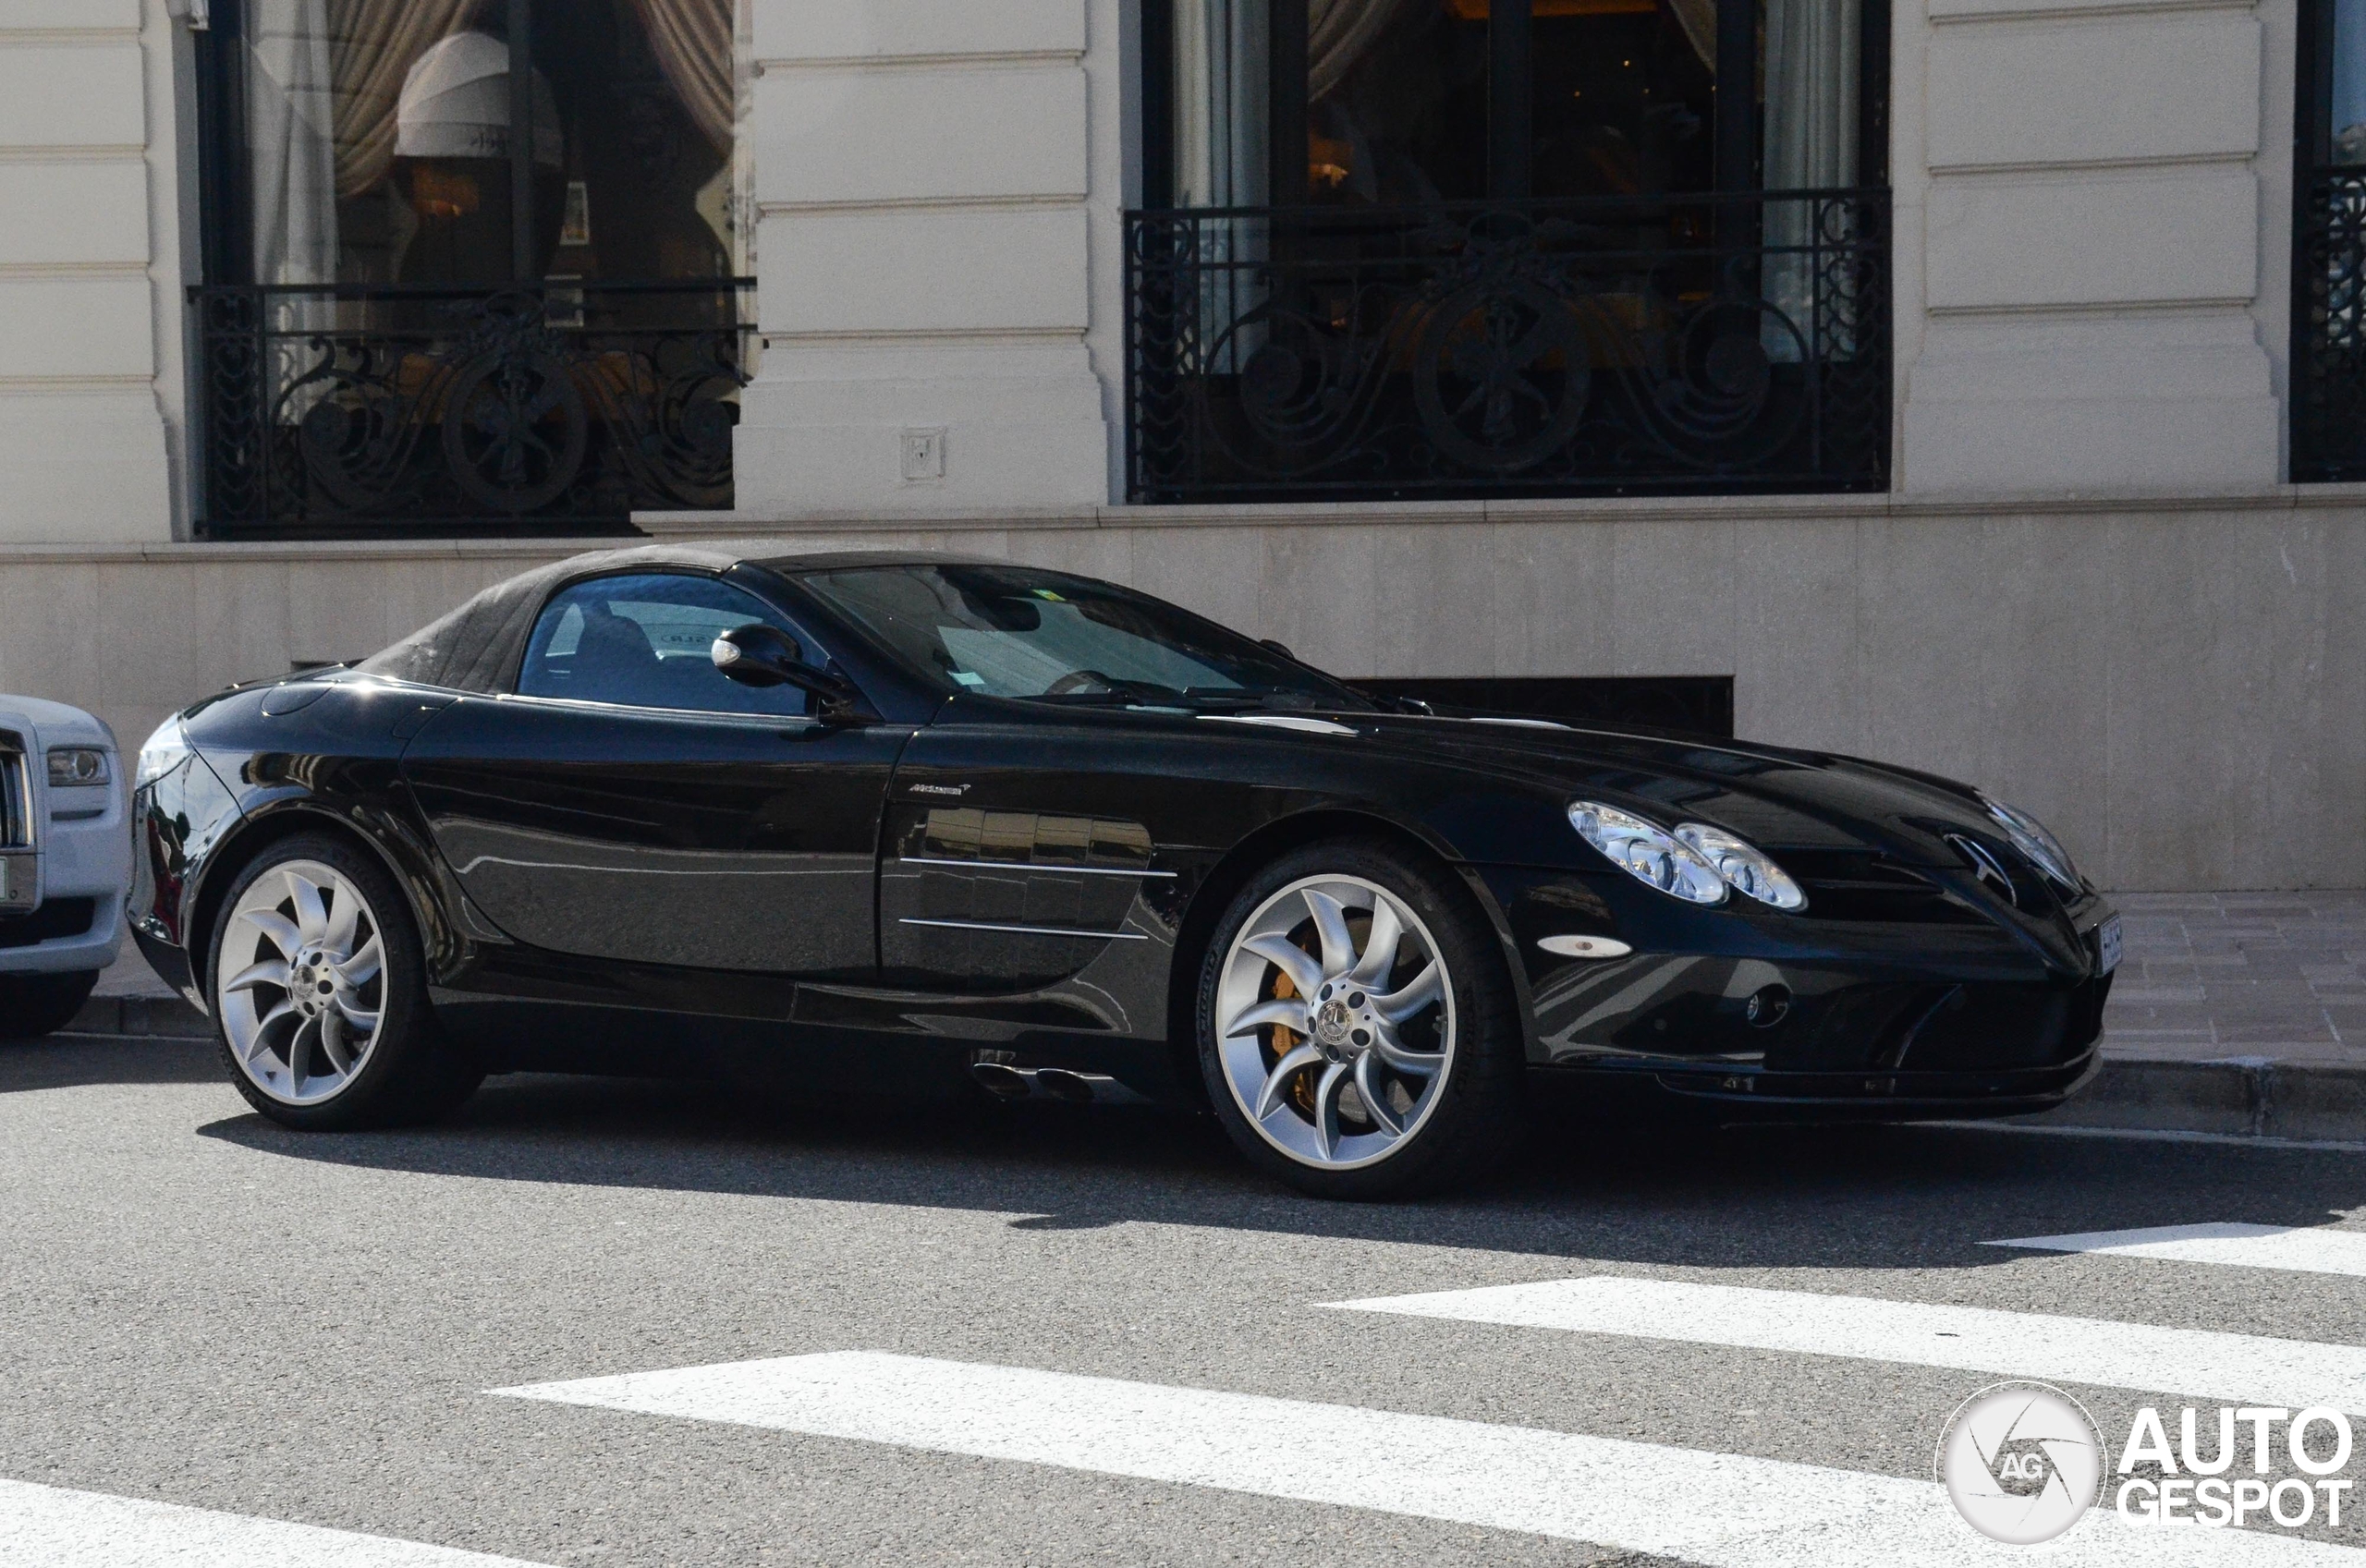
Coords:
pixel 2312 1250
pixel 1719 1510
pixel 2201 1363
pixel 52 1527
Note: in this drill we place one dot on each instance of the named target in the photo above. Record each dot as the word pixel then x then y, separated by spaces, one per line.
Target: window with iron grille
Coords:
pixel 2329 244
pixel 1409 247
pixel 414 320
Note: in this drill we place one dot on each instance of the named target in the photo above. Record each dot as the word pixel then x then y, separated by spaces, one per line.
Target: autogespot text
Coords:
pixel 2199 1478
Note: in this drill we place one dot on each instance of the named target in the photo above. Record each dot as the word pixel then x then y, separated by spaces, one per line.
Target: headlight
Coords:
pixel 166 750
pixel 2029 835
pixel 1648 853
pixel 1745 866
pixel 74 767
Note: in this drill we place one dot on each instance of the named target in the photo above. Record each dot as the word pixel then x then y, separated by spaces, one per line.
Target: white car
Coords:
pixel 65 861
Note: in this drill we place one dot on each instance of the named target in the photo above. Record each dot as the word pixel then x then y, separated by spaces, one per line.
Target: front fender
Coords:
pixel 280 774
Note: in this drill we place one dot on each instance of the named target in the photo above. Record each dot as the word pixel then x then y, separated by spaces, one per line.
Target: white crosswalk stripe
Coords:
pixel 2203 1364
pixel 52 1527
pixel 2312 1249
pixel 1721 1510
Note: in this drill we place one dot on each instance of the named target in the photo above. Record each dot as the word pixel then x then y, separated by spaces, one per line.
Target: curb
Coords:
pixel 167 1017
pixel 2238 1097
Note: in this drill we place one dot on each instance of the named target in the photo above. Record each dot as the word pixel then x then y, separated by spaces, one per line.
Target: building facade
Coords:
pixel 1977 383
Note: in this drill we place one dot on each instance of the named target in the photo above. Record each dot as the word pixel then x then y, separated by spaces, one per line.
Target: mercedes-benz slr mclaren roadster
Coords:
pixel 881 822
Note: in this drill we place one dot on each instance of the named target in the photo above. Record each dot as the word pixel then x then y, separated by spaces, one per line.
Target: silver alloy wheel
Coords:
pixel 300 987
pixel 1338 1053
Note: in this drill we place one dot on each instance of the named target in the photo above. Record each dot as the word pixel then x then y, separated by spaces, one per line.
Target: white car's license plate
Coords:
pixel 2107 944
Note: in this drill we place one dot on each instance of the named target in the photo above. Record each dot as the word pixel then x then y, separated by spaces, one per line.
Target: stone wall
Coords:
pixel 89 268
pixel 2177 686
pixel 939 253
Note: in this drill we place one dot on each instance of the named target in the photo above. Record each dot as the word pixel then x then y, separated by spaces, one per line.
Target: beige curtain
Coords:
pixel 1699 21
pixel 1338 31
pixel 372 45
pixel 693 42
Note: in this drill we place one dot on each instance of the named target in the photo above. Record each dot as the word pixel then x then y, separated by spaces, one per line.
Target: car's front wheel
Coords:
pixel 320 994
pixel 1357 1031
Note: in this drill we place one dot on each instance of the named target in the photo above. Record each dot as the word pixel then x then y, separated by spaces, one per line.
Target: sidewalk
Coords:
pixel 2212 975
pixel 2241 1012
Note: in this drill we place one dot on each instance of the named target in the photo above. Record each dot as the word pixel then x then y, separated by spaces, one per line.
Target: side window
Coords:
pixel 642 642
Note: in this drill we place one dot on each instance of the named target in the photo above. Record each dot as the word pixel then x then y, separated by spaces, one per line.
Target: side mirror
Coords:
pixel 759 655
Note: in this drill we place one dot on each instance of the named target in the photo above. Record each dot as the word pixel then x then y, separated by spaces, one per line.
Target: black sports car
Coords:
pixel 886 820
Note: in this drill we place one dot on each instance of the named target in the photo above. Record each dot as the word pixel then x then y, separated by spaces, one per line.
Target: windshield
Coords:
pixel 1016 631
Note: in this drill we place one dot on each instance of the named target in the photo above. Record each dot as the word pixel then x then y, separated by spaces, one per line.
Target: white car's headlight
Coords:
pixel 1746 867
pixel 1648 853
pixel 166 750
pixel 75 767
pixel 2030 836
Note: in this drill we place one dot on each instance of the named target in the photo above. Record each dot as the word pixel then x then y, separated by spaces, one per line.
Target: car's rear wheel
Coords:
pixel 1357 1031
pixel 320 994
pixel 33 1005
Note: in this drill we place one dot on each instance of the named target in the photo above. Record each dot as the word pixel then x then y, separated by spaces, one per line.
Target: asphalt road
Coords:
pixel 202 1310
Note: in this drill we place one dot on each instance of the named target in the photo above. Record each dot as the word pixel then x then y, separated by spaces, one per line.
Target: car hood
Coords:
pixel 53 724
pixel 1777 798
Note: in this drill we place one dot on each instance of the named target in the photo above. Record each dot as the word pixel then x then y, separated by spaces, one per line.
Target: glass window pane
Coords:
pixel 643 642
pixel 1624 94
pixel 2348 120
pixel 377 141
pixel 1013 631
pixel 1396 101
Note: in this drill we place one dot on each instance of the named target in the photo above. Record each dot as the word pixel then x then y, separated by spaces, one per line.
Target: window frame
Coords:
pixel 783 621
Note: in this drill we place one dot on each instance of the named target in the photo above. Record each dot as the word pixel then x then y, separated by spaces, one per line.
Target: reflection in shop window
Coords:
pixel 395 337
pixel 378 141
pixel 1399 110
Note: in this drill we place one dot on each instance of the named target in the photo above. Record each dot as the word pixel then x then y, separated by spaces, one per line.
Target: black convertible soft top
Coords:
pixel 477 646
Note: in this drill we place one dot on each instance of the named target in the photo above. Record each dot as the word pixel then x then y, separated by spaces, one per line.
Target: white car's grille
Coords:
pixel 16 793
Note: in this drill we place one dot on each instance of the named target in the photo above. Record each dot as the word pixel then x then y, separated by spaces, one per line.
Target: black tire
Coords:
pixel 34 1005
pixel 414 1072
pixel 1476 1123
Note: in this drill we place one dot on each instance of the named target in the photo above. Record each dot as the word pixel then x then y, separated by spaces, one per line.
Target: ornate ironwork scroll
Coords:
pixel 339 411
pixel 1628 345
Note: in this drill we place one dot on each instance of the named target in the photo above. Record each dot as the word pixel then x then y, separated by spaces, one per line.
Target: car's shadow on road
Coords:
pixel 1758 1198
pixel 71 1060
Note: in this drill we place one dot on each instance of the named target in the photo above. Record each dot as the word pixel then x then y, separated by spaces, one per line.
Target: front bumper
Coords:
pixel 1754 1014
pixel 78 867
pixel 1752 1094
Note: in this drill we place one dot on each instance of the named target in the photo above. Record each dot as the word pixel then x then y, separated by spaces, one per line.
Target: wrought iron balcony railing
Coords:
pixel 2329 329
pixel 557 409
pixel 1673 345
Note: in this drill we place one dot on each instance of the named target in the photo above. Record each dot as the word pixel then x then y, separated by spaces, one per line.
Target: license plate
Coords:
pixel 7 883
pixel 2107 944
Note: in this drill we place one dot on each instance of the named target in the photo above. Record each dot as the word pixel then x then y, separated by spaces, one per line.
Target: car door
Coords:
pixel 628 802
pixel 1019 856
